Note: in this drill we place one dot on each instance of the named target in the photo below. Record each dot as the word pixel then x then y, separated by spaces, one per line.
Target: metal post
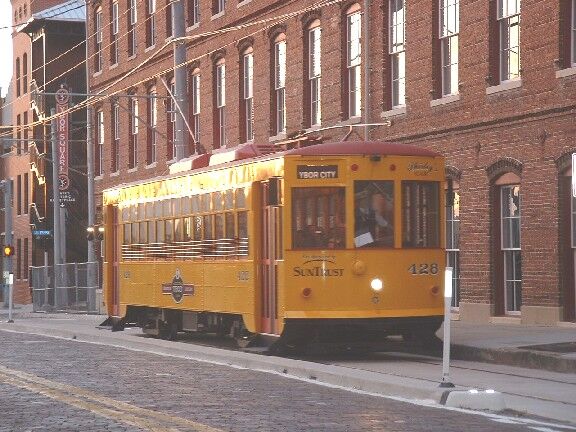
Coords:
pixel 366 61
pixel 90 172
pixel 46 292
pixel 56 208
pixel 446 351
pixel 7 261
pixel 181 96
pixel 10 296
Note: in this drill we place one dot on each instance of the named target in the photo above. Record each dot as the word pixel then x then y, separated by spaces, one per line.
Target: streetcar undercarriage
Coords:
pixel 299 335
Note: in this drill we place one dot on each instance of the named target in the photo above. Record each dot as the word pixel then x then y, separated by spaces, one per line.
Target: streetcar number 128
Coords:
pixel 423 269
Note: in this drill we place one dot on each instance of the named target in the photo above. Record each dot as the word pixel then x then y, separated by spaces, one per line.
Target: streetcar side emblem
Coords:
pixel 177 288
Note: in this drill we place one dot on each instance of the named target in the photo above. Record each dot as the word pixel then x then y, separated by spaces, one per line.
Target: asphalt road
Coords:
pixel 50 384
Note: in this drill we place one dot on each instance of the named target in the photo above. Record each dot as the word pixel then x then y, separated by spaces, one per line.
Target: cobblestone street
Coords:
pixel 54 384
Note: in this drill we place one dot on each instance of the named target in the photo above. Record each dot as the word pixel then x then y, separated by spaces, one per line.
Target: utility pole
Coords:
pixel 56 207
pixel 178 32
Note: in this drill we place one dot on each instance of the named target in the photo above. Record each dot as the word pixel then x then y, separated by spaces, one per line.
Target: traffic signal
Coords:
pixel 8 250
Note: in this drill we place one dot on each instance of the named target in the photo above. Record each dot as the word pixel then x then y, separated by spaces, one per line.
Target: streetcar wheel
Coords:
pixel 167 330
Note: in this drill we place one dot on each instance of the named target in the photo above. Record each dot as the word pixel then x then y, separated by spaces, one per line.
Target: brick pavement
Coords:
pixel 189 395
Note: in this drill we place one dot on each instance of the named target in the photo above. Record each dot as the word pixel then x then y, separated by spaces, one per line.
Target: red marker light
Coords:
pixel 392 167
pixel 306 292
pixel 354 167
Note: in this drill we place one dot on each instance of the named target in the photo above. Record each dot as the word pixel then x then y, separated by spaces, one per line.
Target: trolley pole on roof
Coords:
pixel 180 93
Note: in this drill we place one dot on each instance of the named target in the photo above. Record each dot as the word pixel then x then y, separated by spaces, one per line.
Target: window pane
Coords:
pixel 321 205
pixel 242 224
pixel 160 231
pixel 169 231
pixel 127 232
pixel 208 227
pixel 178 230
pixel 240 198
pixel 230 229
pixel 152 232
pixel 143 232
pixel 420 214
pixel 374 214
pixel 197 227
pixel 219 226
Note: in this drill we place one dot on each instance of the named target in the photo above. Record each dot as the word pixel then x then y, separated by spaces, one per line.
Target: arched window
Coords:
pixel 151 130
pixel 17 76
pixel 98 40
pixel 115 148
pixel 220 103
pixel 279 84
pixel 133 134
pixel 247 95
pixel 195 108
pixel 25 73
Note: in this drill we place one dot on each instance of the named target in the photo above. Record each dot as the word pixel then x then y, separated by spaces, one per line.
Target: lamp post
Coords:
pixel 446 351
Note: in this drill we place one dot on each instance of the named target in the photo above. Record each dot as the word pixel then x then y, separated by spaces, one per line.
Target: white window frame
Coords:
pixel 115 29
pixel 153 116
pixel 354 63
pixel 132 27
pixel 280 85
pixel 397 52
pixel 172 109
pixel 220 6
pixel 315 74
pixel 152 21
pixel 99 40
pixel 116 128
pixel 248 94
pixel 195 12
pixel 134 130
pixel 449 29
pixel 196 106
pixel 508 20
pixel 221 101
pixel 100 126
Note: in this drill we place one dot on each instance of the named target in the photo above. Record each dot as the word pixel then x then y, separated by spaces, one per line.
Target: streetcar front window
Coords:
pixel 374 214
pixel 318 218
pixel 420 214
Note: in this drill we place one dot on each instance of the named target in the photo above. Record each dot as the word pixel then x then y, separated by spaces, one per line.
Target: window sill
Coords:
pixel 152 165
pixel 99 177
pixel 313 128
pixel 396 111
pixel 150 48
pixel 97 74
pixel 193 27
pixel 115 174
pixel 564 73
pixel 445 100
pixel 132 170
pixel 243 3
pixel 114 66
pixel 218 15
pixel 350 121
pixel 504 86
pixel 280 136
pixel 132 57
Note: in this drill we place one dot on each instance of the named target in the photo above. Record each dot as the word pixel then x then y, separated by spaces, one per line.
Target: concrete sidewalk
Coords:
pixel 537 347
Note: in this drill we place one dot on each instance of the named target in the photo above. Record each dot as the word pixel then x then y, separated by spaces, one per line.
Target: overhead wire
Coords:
pixel 93 100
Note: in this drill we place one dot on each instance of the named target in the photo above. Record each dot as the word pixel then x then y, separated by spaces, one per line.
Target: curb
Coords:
pixel 551 362
pixel 339 376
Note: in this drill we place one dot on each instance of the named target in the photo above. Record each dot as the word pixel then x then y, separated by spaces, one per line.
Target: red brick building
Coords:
pixel 490 84
pixel 43 29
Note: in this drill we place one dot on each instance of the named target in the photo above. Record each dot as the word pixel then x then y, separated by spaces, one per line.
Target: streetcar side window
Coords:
pixel 318 220
pixel 420 214
pixel 374 214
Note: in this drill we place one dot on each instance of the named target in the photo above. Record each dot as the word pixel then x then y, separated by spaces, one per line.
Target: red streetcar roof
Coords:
pixel 362 148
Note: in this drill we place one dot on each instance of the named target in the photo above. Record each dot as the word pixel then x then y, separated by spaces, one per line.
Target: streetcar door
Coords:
pixel 114 250
pixel 270 233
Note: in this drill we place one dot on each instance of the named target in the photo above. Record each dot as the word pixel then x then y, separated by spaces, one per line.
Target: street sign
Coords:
pixel 40 234
pixel 62 98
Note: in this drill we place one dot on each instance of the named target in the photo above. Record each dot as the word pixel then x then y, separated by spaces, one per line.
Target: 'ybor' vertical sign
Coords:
pixel 62 97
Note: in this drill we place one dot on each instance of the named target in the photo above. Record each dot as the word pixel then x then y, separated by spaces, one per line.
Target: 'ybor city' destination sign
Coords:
pixel 310 172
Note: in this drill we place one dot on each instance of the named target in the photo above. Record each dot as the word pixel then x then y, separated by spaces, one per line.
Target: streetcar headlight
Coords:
pixel 376 284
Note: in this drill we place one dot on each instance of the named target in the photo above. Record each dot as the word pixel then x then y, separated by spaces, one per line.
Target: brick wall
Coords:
pixel 533 123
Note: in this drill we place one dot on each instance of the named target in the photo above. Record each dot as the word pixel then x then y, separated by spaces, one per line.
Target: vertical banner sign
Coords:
pixel 62 98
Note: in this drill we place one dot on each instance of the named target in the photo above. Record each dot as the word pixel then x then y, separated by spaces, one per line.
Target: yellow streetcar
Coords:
pixel 338 242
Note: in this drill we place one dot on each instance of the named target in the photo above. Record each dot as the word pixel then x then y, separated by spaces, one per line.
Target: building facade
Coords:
pixel 43 38
pixel 489 84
